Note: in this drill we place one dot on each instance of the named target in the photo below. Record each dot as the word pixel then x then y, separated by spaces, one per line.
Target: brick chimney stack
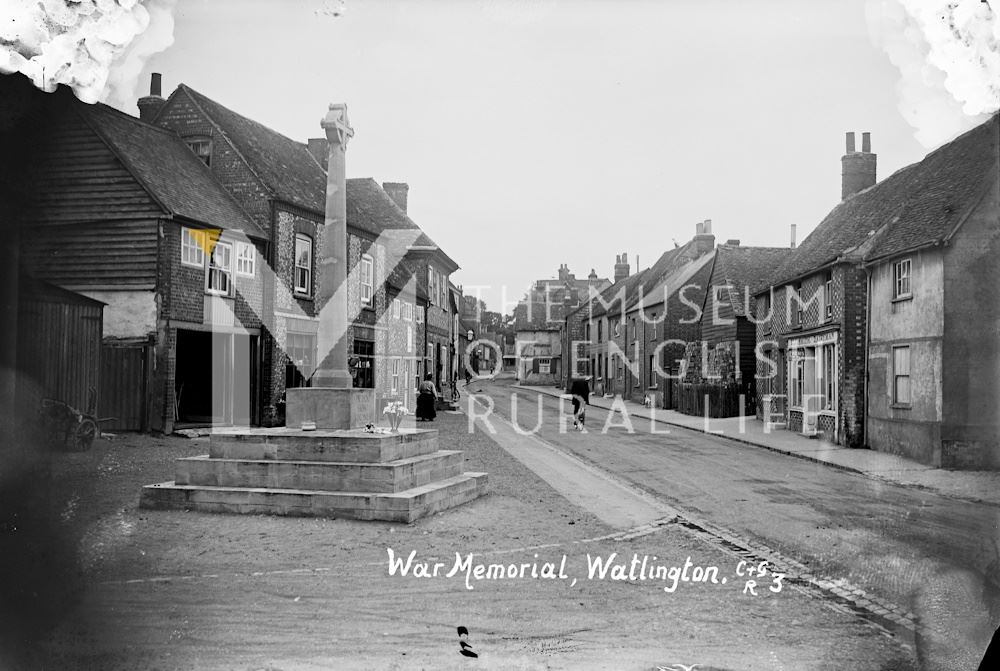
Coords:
pixel 150 105
pixel 858 167
pixel 621 267
pixel 703 239
pixel 398 191
pixel 592 277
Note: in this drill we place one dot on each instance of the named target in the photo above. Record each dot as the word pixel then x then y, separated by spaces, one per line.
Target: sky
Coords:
pixel 536 133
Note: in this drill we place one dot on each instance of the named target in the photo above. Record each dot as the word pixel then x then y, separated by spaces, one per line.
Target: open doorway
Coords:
pixel 214 378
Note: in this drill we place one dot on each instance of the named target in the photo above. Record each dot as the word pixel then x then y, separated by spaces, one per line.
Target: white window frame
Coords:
pixel 303 288
pixel 396 308
pixel 246 259
pixel 899 375
pixel 409 338
pixel 408 312
pixel 420 314
pixel 433 286
pixel 902 279
pixel 796 377
pixel 545 366
pixel 193 247
pixel 828 297
pixel 367 279
pixel 395 374
pixel 220 265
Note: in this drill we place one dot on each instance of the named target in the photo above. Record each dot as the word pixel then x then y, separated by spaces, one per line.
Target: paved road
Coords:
pixel 937 557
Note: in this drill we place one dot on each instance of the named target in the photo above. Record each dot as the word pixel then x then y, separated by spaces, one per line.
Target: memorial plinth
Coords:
pixel 396 477
pixel 329 408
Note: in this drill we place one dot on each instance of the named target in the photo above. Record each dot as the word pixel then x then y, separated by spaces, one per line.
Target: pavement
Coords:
pixel 976 486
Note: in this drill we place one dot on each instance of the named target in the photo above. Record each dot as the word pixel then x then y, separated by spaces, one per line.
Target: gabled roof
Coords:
pixel 169 170
pixel 682 271
pixel 669 264
pixel 285 166
pixel 916 206
pixel 742 267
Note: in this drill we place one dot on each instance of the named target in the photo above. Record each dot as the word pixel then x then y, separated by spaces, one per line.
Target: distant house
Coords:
pixel 539 324
pixel 633 333
pixel 933 266
pixel 722 364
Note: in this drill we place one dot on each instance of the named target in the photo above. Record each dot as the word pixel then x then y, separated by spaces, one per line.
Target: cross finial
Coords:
pixel 337 126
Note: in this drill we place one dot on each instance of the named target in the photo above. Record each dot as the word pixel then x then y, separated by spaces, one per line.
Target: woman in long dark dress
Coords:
pixel 580 388
pixel 426 396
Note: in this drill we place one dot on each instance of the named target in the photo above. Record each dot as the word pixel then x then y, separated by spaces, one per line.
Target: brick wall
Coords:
pixel 849 290
pixel 181 115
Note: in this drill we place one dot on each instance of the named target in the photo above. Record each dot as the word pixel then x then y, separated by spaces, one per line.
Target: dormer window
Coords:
pixel 202 148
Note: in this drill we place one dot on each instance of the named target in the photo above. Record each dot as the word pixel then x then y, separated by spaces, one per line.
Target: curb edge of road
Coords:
pixel 727 436
pixel 797 455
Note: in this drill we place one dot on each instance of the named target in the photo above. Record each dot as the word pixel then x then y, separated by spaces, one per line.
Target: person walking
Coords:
pixel 580 389
pixel 426 397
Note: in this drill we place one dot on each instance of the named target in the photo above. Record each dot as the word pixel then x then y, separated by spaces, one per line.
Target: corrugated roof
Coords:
pixel 169 170
pixel 916 206
pixel 286 166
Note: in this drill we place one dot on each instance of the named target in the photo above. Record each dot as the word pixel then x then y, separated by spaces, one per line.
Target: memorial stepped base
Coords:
pixel 395 477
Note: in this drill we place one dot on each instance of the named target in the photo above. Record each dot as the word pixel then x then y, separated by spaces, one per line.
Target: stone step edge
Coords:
pixel 406 493
pixel 302 462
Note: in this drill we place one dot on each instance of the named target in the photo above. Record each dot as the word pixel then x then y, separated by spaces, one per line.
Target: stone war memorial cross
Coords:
pixel 323 462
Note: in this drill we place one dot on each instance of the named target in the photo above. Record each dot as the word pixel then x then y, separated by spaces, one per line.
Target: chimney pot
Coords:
pixel 699 228
pixel 857 168
pixel 793 236
pixel 733 243
pixel 149 106
pixel 708 227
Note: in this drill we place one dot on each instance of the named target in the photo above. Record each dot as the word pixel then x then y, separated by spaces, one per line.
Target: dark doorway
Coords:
pixel 215 377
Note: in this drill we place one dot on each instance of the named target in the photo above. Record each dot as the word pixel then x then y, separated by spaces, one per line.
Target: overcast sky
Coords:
pixel 536 133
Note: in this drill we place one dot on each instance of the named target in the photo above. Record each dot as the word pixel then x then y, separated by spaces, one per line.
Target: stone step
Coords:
pixel 353 445
pixel 405 506
pixel 391 476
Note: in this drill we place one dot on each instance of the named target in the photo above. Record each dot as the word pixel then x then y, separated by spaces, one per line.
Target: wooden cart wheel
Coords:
pixel 84 436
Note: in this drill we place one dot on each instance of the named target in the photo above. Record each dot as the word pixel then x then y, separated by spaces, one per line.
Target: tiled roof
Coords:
pixel 916 206
pixel 742 267
pixel 371 209
pixel 610 295
pixel 286 166
pixel 169 170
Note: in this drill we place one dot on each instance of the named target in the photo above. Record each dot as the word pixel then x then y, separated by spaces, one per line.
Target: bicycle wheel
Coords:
pixel 83 437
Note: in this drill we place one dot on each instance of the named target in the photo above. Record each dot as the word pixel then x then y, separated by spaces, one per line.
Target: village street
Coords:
pixel 908 547
pixel 116 587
